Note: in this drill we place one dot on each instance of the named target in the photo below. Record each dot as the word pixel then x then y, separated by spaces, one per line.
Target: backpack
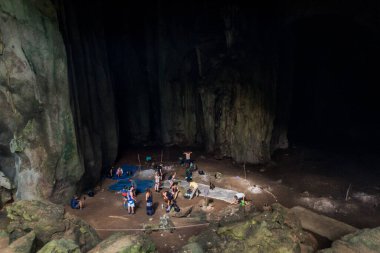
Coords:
pixel 176 208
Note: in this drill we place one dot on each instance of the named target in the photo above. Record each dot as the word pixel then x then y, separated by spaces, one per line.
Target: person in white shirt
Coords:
pixel 239 197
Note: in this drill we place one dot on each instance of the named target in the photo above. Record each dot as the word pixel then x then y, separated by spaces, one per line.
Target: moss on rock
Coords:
pixel 60 246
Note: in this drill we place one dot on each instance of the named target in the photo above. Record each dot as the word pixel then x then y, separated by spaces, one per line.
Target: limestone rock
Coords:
pixel 60 246
pixel 122 242
pixel 364 241
pixel 80 232
pixel 25 244
pixel 49 222
pixel 5 182
pixel 192 248
pixel 37 133
pixel 274 231
pixel 4 239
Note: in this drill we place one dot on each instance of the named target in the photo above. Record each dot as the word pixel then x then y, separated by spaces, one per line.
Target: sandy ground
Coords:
pixel 317 179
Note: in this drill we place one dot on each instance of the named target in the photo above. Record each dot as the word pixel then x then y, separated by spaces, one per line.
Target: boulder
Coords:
pixel 273 231
pixel 4 239
pixel 60 246
pixel 49 222
pixel 5 182
pixel 25 244
pixel 122 242
pixel 363 241
pixel 192 248
pixel 322 225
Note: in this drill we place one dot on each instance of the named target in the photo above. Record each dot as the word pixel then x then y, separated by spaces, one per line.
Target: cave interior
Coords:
pixel 316 71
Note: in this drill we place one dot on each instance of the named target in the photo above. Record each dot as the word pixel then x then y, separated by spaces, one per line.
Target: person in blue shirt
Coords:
pixel 131 200
pixel 76 203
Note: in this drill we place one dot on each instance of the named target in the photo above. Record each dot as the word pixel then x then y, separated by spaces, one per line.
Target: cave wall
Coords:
pixel 38 145
pixel 195 74
pixel 218 74
pixel 91 88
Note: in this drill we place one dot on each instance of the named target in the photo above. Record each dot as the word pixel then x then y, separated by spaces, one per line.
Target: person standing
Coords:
pixel 131 201
pixel 149 202
pixel 187 156
pixel 157 182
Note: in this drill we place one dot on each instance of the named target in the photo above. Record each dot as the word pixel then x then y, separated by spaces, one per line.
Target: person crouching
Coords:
pixel 76 203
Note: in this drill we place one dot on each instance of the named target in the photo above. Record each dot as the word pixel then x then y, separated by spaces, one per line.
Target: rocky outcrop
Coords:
pixel 122 242
pixel 61 246
pixel 49 222
pixel 38 145
pixel 24 244
pixel 271 231
pixel 365 240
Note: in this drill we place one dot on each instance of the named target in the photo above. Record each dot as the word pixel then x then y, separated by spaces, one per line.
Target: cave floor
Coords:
pixel 313 178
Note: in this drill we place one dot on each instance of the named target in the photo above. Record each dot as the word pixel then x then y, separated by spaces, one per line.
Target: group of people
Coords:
pixel 119 172
pixel 169 196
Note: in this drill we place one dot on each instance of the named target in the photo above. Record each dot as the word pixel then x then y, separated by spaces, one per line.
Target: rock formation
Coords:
pixel 38 145
pixel 276 230
pixel 49 222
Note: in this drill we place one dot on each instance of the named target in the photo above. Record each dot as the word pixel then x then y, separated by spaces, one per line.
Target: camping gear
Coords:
pixel 91 193
pixel 188 194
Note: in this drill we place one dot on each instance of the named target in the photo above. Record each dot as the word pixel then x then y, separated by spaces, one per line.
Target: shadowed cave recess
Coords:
pixel 238 80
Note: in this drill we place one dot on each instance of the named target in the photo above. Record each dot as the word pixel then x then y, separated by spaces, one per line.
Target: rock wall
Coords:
pixel 194 76
pixel 38 145
pixel 91 89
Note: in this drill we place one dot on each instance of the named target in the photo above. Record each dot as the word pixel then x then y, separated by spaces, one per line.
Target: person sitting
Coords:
pixel 194 188
pixel 239 198
pixel 119 172
pixel 76 203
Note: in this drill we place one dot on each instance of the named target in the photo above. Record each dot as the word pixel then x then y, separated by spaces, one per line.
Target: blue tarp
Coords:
pixel 126 179
pixel 141 184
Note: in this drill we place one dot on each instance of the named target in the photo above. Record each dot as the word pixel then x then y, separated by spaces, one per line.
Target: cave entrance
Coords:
pixel 335 65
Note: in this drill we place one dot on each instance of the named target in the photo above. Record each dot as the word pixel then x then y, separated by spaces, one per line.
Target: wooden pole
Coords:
pixel 348 192
pixel 245 172
pixel 138 158
pixel 162 154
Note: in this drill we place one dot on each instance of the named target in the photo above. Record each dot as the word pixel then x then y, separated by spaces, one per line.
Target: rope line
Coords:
pixel 144 229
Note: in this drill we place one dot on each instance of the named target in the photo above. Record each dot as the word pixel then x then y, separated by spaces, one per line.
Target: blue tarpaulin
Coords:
pixel 141 184
pixel 126 179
